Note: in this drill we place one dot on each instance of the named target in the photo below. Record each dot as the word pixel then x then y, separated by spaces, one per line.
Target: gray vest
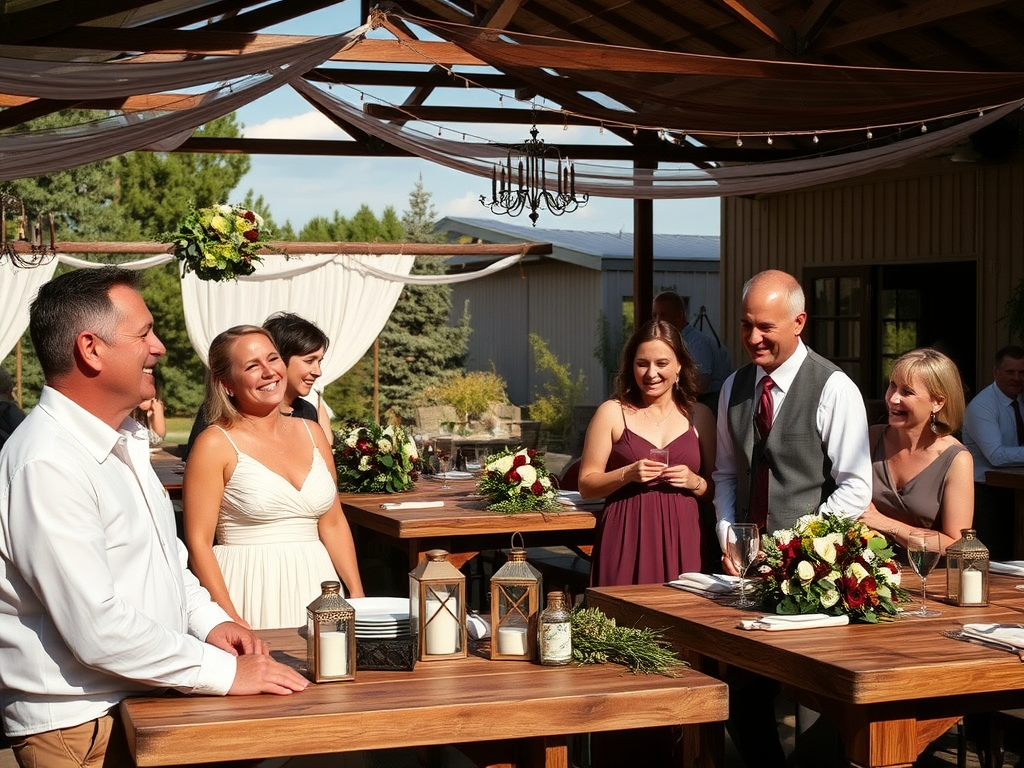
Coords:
pixel 800 471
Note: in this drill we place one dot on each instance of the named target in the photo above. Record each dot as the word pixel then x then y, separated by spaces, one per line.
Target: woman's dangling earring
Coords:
pixel 934 424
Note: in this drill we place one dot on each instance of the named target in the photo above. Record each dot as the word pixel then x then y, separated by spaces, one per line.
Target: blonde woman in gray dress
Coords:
pixel 923 477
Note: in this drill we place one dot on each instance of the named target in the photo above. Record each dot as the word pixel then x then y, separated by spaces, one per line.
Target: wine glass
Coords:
pixel 923 552
pixel 444 463
pixel 743 542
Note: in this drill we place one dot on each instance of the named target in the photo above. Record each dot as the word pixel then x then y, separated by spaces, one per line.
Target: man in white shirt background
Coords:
pixel 96 601
pixel 994 434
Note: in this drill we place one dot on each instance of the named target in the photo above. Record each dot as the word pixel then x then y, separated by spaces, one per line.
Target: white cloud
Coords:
pixel 308 125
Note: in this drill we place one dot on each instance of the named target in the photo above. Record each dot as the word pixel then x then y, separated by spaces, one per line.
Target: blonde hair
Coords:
pixel 218 406
pixel 942 378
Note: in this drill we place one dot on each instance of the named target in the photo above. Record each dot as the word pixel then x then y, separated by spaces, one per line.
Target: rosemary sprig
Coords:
pixel 596 639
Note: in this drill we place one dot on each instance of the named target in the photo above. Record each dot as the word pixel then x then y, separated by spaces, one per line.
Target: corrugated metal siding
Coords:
pixel 932 211
pixel 558 301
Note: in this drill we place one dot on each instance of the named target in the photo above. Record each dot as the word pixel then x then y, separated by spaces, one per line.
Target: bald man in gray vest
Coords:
pixel 792 440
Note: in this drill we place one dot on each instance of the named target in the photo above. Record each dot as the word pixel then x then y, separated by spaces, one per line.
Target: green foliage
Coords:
pixel 470 394
pixel 562 392
pixel 516 480
pixel 597 639
pixel 219 242
pixel 418 219
pixel 610 341
pixel 375 459
pixel 351 395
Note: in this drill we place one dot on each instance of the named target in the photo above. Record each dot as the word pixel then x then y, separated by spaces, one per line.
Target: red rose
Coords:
pixel 518 460
pixel 537 488
pixel 514 477
pixel 251 235
pixel 531 452
pixel 249 216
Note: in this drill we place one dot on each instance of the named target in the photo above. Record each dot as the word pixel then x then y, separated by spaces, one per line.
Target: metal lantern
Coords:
pixel 437 600
pixel 515 606
pixel 330 636
pixel 967 570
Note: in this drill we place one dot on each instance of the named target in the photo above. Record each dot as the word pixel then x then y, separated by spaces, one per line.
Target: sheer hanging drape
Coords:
pixel 348 304
pixel 18 287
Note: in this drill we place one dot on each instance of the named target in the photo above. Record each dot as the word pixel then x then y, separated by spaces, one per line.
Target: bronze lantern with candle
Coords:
pixel 330 636
pixel 437 602
pixel 967 570
pixel 515 606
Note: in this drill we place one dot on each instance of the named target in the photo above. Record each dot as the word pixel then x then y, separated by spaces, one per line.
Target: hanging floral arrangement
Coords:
pixel 220 242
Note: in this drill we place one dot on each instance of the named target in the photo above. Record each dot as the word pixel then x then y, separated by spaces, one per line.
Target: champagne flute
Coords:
pixel 743 542
pixel 444 464
pixel 923 551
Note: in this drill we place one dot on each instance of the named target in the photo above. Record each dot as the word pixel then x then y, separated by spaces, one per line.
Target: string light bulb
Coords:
pixel 815 139
pixel 870 134
pixel 739 142
pixel 770 141
pixel 924 128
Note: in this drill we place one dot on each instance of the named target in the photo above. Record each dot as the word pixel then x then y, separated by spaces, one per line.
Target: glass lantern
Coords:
pixel 330 636
pixel 515 606
pixel 437 601
pixel 967 570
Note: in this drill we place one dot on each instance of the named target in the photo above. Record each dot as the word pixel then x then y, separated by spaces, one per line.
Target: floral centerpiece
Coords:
pixel 375 459
pixel 515 480
pixel 832 565
pixel 219 242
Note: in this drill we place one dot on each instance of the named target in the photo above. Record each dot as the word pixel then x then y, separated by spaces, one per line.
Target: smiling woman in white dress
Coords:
pixel 263 523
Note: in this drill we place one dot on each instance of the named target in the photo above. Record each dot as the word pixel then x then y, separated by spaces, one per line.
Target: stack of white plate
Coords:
pixel 381 618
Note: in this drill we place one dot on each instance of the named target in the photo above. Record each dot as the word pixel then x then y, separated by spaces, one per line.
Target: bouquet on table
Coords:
pixel 375 459
pixel 219 242
pixel 515 480
pixel 832 565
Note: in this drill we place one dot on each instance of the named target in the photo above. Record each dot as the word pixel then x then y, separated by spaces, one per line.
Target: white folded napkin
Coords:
pixel 412 505
pixel 795 621
pixel 1008 634
pixel 1007 567
pixel 477 626
pixel 706 583
pixel 574 499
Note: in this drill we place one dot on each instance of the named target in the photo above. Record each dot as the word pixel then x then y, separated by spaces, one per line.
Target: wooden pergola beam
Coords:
pixel 292 247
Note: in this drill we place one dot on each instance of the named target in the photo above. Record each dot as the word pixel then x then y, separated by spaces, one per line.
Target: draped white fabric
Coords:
pixel 335 292
pixel 32 153
pixel 18 287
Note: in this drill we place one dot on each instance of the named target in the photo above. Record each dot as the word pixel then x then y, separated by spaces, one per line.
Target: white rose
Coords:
pixel 857 571
pixel 806 520
pixel 224 210
pixel 829 599
pixel 784 535
pixel 259 219
pixel 868 555
pixel 890 577
pixel 528 475
pixel 384 445
pixel 824 548
pixel 410 450
pixel 351 440
pixel 364 463
pixel 501 466
pixel 784 586
pixel 545 482
pixel 805 571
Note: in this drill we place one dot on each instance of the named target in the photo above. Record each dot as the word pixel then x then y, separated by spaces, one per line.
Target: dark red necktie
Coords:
pixel 763 418
pixel 1020 422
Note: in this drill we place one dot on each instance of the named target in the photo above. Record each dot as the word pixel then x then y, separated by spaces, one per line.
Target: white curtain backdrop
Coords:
pixel 18 287
pixel 348 303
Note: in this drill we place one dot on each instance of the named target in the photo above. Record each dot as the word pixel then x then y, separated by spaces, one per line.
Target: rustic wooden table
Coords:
pixel 1011 477
pixel 498 711
pixel 170 469
pixel 890 688
pixel 462 526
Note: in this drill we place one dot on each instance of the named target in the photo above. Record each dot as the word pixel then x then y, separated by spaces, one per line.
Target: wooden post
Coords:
pixel 643 254
pixel 376 380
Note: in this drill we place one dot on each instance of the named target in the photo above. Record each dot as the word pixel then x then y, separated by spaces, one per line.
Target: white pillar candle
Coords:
pixel 970 586
pixel 333 654
pixel 442 628
pixel 512 641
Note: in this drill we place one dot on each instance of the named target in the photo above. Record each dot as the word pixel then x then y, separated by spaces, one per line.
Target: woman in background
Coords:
pixel 649 531
pixel 923 476
pixel 150 414
pixel 263 523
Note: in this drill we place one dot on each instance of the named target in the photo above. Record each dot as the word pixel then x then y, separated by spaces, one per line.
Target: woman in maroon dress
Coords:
pixel 649 531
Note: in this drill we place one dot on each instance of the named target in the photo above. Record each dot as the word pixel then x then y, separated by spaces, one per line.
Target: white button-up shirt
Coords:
pixel 990 431
pixel 96 602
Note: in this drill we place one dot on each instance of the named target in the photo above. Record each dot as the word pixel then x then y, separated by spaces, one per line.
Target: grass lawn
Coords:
pixel 178 428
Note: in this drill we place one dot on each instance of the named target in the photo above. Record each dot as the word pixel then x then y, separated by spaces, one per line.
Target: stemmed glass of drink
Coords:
pixel 923 551
pixel 743 544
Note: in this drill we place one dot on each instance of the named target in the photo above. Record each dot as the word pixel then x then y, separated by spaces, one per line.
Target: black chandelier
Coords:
pixel 38 254
pixel 511 195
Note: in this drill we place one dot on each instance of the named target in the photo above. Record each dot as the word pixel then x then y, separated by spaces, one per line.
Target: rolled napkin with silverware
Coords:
pixel 706 583
pixel 412 505
pixel 1005 634
pixel 776 623
pixel 1006 567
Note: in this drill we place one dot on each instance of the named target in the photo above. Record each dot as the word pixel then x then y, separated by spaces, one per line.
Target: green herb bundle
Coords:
pixel 596 639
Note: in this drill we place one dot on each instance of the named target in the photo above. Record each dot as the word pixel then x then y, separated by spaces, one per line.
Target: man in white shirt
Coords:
pixel 813 457
pixel 994 434
pixel 96 601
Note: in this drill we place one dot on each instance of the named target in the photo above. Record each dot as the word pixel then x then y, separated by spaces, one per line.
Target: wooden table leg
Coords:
pixel 895 743
pixel 1018 524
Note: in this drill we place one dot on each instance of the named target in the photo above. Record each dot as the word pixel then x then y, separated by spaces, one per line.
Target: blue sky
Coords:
pixel 298 187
